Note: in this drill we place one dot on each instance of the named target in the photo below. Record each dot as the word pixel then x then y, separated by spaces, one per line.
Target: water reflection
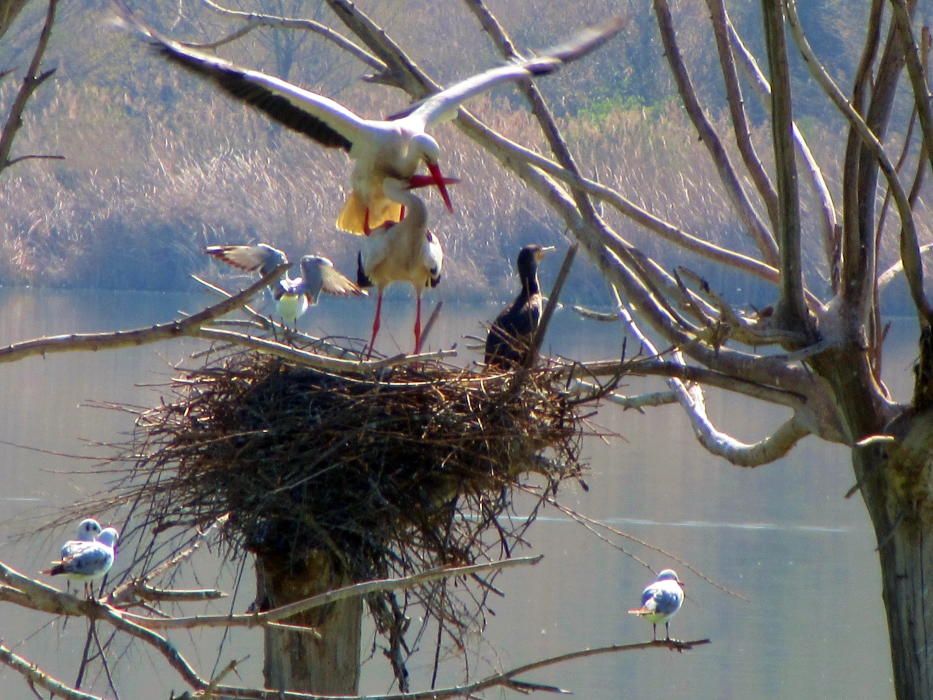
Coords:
pixel 781 536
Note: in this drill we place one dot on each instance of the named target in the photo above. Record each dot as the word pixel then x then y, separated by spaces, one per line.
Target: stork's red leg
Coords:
pixel 401 214
pixel 417 323
pixel 376 323
pixel 366 229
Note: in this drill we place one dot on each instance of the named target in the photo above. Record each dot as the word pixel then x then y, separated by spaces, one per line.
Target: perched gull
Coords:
pixel 660 601
pixel 293 296
pixel 88 561
pixel 88 531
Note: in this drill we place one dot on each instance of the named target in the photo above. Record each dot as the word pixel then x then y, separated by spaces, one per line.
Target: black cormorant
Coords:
pixel 510 336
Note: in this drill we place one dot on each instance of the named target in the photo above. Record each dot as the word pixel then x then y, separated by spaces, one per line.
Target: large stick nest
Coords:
pixel 388 475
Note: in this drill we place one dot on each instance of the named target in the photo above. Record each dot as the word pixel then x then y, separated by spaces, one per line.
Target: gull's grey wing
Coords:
pixel 90 562
pixel 69 548
pixel 87 560
pixel 261 258
pixel 318 275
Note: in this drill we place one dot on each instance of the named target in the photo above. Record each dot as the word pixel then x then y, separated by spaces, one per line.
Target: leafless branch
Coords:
pixel 14 161
pixel 9 10
pixel 228 39
pixel 257 19
pixel 503 679
pixel 915 69
pixel 190 326
pixel 32 80
pixel 720 22
pixel 910 246
pixel 37 676
pixel 744 330
pixel 761 235
pixel 353 590
pixel 825 199
pixel 593 315
pixel 548 312
pixel 638 401
pixel 666 230
pixel 25 591
pixel 139 588
pixel 260 320
pixel 691 398
pixel 888 276
pixel 791 311
pixel 32 594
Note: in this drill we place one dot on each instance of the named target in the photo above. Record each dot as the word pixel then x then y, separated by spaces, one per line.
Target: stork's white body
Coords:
pixel 402 252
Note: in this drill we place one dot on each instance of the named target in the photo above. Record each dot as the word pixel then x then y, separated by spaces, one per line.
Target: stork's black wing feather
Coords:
pixel 236 84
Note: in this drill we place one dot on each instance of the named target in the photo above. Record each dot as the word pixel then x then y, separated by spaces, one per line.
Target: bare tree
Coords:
pixel 819 353
pixel 818 350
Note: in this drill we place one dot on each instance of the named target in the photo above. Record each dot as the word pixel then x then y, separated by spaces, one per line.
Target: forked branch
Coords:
pixel 31 82
pixel 760 234
pixel 909 240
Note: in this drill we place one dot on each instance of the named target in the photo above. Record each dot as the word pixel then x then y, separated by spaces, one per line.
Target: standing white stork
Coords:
pixel 391 148
pixel 402 252
pixel 293 296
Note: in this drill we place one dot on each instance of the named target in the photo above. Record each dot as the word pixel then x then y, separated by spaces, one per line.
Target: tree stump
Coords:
pixel 326 665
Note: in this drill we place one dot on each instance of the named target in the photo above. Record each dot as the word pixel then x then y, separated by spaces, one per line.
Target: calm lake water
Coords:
pixel 782 536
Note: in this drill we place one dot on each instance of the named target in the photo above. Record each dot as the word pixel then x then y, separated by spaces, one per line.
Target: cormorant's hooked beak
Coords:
pixel 441 184
pixel 543 250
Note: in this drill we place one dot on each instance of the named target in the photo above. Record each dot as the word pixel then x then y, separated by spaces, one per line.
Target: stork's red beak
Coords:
pixel 441 185
pixel 436 179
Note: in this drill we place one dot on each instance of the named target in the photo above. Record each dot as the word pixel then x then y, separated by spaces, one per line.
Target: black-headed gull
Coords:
pixel 660 601
pixel 292 296
pixel 88 531
pixel 88 561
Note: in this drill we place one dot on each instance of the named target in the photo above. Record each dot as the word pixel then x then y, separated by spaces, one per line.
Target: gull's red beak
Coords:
pixel 441 185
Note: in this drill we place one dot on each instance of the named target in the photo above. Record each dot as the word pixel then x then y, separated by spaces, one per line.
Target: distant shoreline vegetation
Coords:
pixel 158 165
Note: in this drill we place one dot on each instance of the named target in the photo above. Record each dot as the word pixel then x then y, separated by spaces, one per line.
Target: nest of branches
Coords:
pixel 387 474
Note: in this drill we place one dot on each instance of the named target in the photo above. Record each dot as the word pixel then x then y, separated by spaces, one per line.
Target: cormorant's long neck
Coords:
pixel 530 282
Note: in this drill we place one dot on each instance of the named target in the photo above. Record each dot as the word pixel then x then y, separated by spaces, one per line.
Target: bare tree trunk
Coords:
pixel 328 664
pixel 906 552
pixel 897 483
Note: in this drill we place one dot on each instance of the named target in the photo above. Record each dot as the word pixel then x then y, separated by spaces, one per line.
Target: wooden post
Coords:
pixel 326 665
